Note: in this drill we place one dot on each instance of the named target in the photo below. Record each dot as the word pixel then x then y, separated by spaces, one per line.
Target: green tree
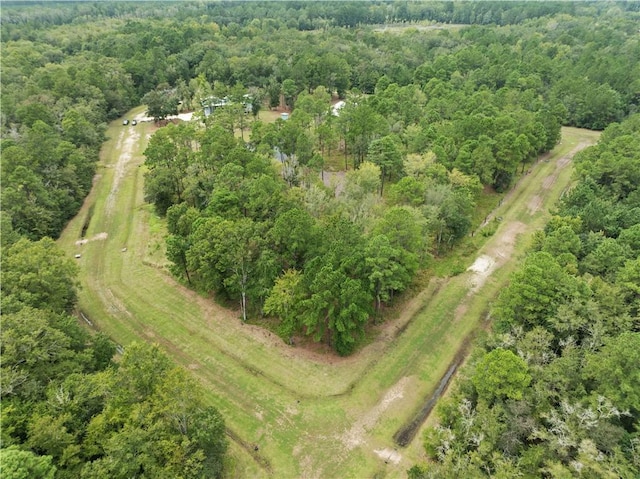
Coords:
pixel 316 105
pixel 606 259
pixel 363 181
pixel 226 254
pixel 360 192
pixel 389 269
pixel 178 405
pixel 507 159
pixel 405 228
pixel 154 423
pixel 177 247
pixel 359 125
pixel 169 155
pixel 385 152
pixel 138 375
pixel 501 374
pixel 26 200
pixel 273 93
pixel 8 235
pixel 613 163
pixel 293 236
pixel 20 464
pixel 337 308
pixel 484 161
pixel 285 300
pixel 615 370
pixel 630 237
pixel 562 240
pixel 289 92
pixel 535 292
pixel 161 104
pixel 49 436
pixel 36 349
pixel 37 274
pixel 629 280
pixel 79 130
pixel 409 191
pixel 327 136
pixel 30 112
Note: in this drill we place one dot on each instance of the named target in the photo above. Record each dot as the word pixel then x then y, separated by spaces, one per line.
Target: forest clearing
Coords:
pixel 300 402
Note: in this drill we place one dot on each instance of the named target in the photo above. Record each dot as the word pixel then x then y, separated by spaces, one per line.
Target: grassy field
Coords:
pixel 308 414
pixel 422 27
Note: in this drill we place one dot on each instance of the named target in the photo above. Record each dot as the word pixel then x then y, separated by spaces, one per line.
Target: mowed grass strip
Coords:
pixel 431 341
pixel 293 408
pixel 132 301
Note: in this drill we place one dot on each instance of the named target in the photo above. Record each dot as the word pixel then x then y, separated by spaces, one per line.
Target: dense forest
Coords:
pixel 554 390
pixel 68 410
pixel 63 81
pixel 432 120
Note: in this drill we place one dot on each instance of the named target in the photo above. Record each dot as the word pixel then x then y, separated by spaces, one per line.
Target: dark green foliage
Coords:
pixel 607 198
pixel 615 370
pixel 44 181
pixel 386 153
pixel 154 422
pixel 161 104
pixel 338 307
pixel 479 104
pixel 535 292
pixel 478 107
pixel 391 269
pixel 37 274
pixel 68 410
pixel 169 155
pixel 293 236
pixel 55 104
pixel 469 97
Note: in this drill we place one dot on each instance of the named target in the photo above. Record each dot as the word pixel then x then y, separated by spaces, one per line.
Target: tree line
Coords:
pixel 238 228
pixel 54 113
pixel 298 15
pixel 554 390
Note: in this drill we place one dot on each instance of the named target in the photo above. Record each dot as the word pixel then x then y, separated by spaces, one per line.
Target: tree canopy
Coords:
pixel 69 409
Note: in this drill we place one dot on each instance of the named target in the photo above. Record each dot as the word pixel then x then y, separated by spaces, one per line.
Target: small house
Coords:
pixel 211 103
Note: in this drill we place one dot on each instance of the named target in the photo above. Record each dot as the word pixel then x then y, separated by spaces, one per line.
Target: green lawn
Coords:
pixel 309 414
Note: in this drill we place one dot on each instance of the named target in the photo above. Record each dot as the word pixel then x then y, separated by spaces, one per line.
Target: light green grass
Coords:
pixel 295 407
pixel 268 116
pixel 423 27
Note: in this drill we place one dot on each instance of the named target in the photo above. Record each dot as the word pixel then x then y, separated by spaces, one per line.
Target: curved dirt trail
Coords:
pixel 310 415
